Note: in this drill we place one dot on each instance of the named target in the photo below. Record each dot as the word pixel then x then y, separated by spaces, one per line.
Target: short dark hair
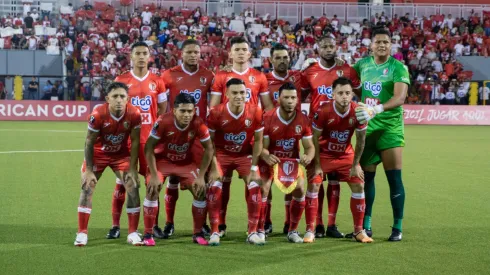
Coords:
pixel 116 85
pixel 325 38
pixel 184 98
pixel 234 81
pixel 341 81
pixel 190 42
pixel 380 30
pixel 287 86
pixel 278 47
pixel 238 40
pixel 139 44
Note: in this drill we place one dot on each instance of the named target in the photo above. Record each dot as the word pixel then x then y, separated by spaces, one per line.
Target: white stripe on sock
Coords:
pixel 133 210
pixel 118 181
pixel 252 184
pixel 199 204
pixel 84 210
pixel 311 195
pixel 299 199
pixel 358 196
pixel 218 184
pixel 149 203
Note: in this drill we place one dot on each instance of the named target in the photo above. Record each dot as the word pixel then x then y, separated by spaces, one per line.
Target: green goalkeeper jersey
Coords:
pixel 378 83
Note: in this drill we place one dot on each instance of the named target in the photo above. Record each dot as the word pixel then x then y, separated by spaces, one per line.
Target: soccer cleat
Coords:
pixel 222 230
pixel 361 237
pixel 157 232
pixel 148 240
pixel 81 239
pixel 369 232
pixel 254 238
pixel 206 230
pixel 168 230
pixel 114 233
pixel 285 229
pixel 268 228
pixel 199 239
pixel 320 231
pixel 135 239
pixel 396 235
pixel 214 239
pixel 294 237
pixel 309 237
pixel 333 232
pixel 262 236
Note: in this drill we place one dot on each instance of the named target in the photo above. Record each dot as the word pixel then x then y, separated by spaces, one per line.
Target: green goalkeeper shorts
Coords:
pixel 379 137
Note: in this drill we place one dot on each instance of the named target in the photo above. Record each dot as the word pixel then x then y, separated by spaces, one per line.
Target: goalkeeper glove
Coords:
pixel 365 113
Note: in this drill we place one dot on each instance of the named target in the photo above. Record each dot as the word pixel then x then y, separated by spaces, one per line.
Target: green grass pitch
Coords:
pixel 446 227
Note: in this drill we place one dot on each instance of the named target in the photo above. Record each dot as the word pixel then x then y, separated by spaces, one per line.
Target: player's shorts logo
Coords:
pixel 143 103
pixel 196 94
pixel 178 148
pixel 342 137
pixel 115 139
pixel 374 88
pixel 324 90
pixel 335 147
pixel 286 144
pixel 237 139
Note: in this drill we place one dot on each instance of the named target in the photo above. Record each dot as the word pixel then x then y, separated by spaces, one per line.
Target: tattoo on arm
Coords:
pixel 360 141
pixel 89 149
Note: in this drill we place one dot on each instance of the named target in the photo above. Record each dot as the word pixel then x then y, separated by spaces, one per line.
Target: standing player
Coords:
pixel 385 84
pixel 176 132
pixel 236 129
pixel 284 127
pixel 320 77
pixel 196 81
pixel 109 128
pixel 147 92
pixel 336 122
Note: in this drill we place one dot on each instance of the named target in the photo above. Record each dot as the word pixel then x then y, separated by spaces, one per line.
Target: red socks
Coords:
pixel 357 207
pixel 171 197
pixel 225 197
pixel 83 217
pixel 133 219
pixel 118 198
pixel 254 201
pixel 333 193
pixel 213 200
pixel 150 209
pixel 198 215
pixel 321 197
pixel 311 210
pixel 262 219
pixel 296 210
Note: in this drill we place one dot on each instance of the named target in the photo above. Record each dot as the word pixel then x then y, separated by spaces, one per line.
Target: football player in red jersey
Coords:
pixel 255 81
pixel 336 122
pixel 196 81
pixel 110 127
pixel 176 132
pixel 236 128
pixel 147 92
pixel 284 127
pixel 320 77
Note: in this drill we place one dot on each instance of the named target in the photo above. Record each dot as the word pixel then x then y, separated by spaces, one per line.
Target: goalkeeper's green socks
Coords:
pixel 397 196
pixel 370 192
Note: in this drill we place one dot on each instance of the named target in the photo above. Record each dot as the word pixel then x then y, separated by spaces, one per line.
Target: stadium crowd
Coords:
pixel 97 40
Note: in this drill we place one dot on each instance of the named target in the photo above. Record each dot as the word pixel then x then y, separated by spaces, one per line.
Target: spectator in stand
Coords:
pixel 70 85
pixel 3 91
pixel 96 90
pixel 483 93
pixel 146 16
pixel 87 6
pixel 33 89
pixel 47 90
pixel 463 92
pixel 29 21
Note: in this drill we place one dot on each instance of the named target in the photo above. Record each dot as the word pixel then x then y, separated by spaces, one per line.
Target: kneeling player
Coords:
pixel 336 122
pixel 284 127
pixel 176 132
pixel 110 125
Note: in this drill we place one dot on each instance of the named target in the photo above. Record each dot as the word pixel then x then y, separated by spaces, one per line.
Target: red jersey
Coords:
pixel 233 134
pixel 275 82
pixel 284 136
pixel 113 132
pixel 145 93
pixel 320 80
pixel 198 84
pixel 255 82
pixel 337 129
pixel 175 141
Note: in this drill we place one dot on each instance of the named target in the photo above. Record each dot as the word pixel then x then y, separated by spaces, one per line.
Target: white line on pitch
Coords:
pixel 47 151
pixel 39 130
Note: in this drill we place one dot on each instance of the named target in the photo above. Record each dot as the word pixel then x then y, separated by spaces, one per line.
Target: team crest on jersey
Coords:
pixel 351 121
pixel 152 86
pixel 248 122
pixel 251 79
pixel 126 125
pixel 298 129
pixel 92 120
pixel 316 116
pixel 340 73
pixel 203 80
pixel 191 134
pixel 385 71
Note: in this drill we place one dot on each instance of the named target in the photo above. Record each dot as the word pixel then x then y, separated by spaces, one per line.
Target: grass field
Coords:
pixel 446 228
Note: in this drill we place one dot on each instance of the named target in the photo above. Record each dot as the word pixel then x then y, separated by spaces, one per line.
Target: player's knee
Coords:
pixel 356 188
pixel 369 168
pixel 300 188
pixel 313 187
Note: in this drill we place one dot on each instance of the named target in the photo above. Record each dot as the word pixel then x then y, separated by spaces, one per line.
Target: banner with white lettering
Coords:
pixel 38 110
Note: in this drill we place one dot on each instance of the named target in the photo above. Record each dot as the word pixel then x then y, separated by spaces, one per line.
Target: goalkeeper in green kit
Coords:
pixel 385 83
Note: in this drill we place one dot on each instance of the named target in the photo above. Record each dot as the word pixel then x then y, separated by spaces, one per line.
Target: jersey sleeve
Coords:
pixel 305 85
pixel 357 67
pixel 400 74
pixel 212 120
pixel 218 85
pixel 162 92
pixel 136 119
pixel 264 85
pixel 259 122
pixel 318 119
pixel 167 80
pixel 157 130
pixel 307 132
pixel 356 82
pixel 267 125
pixel 95 122
pixel 203 132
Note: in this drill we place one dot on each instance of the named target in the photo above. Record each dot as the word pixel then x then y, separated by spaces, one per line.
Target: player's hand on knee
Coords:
pixel 214 175
pixel 308 62
pixel 356 171
pixel 131 179
pixel 89 180
pixel 305 160
pixel 154 185
pixel 318 171
pixel 199 188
